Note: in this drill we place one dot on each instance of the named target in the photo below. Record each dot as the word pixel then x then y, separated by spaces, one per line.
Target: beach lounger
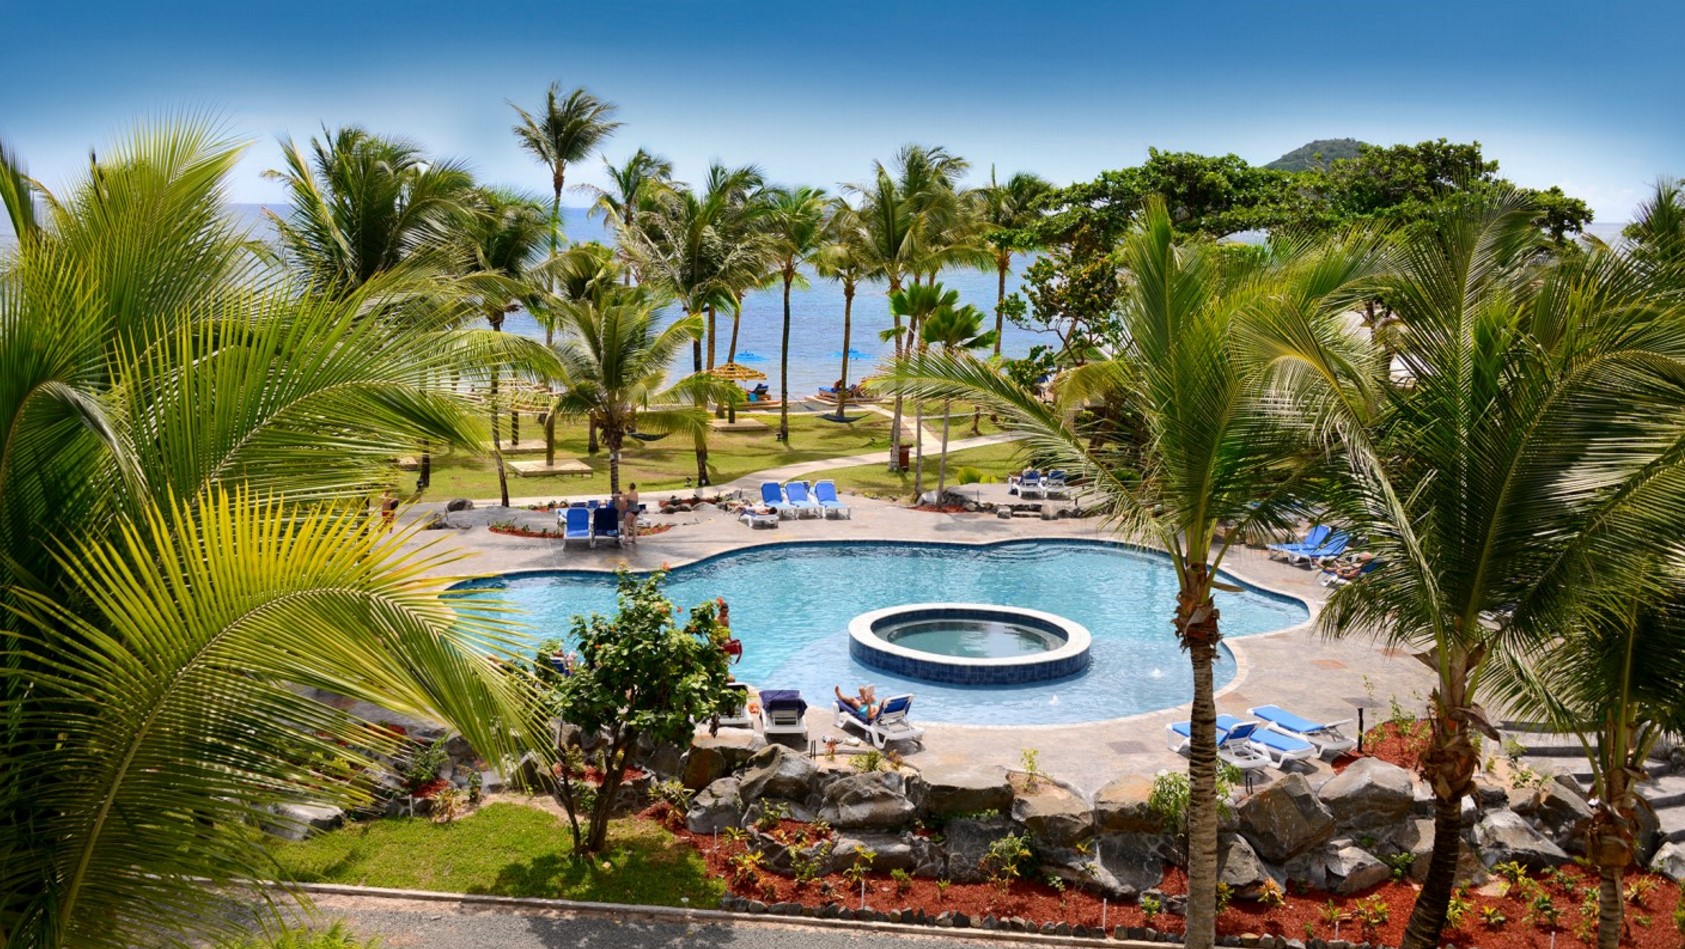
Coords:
pixel 754 519
pixel 781 713
pixel 1234 742
pixel 825 492
pixel 1326 736
pixel 806 506
pixel 1331 578
pixel 1054 485
pixel 772 495
pixel 1334 546
pixel 1313 539
pixel 890 724
pixel 605 523
pixel 740 717
pixel 1278 747
pixel 576 524
pixel 1030 483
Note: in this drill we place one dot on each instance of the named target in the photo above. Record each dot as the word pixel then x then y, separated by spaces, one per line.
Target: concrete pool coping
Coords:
pixel 1295 667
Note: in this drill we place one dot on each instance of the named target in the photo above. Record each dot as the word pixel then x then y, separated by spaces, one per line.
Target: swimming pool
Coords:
pixel 791 603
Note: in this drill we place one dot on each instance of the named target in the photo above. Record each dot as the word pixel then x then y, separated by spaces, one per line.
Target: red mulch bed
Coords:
pixel 1305 913
pixel 941 508
pixel 644 530
pixel 1396 743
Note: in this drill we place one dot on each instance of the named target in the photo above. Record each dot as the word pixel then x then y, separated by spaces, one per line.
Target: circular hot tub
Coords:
pixel 969 643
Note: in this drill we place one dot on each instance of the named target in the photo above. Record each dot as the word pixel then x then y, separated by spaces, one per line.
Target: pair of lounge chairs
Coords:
pixel 1319 543
pixel 1034 483
pixel 1338 575
pixel 1279 736
pixel 795 499
pixel 888 724
pixel 588 524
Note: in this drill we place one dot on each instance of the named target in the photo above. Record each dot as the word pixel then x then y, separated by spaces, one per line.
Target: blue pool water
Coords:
pixel 791 603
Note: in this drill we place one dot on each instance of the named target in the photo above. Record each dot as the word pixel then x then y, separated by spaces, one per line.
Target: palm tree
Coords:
pixel 1213 447
pixel 615 357
pixel 952 330
pixel 363 205
pixel 635 185
pixel 842 257
pixel 568 130
pixel 795 222
pixel 1008 211
pixel 1612 680
pixel 169 617
pixel 918 303
pixel 579 274
pixel 1525 435
pixel 890 249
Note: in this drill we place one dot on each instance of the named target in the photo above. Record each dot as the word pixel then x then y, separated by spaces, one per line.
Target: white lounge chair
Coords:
pixel 1234 742
pixel 1327 737
pixel 889 725
pixel 782 712
pixel 825 492
pixel 1030 483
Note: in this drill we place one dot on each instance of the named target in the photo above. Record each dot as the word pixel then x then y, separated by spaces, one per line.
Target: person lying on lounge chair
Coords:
pixel 865 702
pixel 1349 571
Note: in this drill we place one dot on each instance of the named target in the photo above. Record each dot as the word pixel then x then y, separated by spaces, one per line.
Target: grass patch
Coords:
pixel 876 480
pixel 505 849
pixel 661 466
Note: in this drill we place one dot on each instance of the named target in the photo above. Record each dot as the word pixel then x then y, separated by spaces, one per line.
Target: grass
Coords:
pixel 875 480
pixel 664 465
pixel 506 849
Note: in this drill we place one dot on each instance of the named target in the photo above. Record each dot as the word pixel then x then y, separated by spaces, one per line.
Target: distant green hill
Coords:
pixel 1317 154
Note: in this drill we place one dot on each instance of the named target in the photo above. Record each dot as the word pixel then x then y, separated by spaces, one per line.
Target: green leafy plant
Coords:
pixel 1271 894
pixel 902 879
pixel 736 835
pixel 1225 896
pixel 1331 914
pixel 674 794
pixel 1492 917
pixel 942 885
pixel 1679 914
pixel 424 764
pixel 1510 870
pixel 1031 759
pixel 1399 863
pixel 1151 905
pixel 449 804
pixel 869 760
pixel 1310 930
pixel 1513 750
pixel 1541 911
pixel 476 786
pixel 862 865
pixel 746 867
pixel 1457 911
pixel 1057 884
pixel 894 760
pixel 1003 862
pixel 1638 890
pixel 1371 913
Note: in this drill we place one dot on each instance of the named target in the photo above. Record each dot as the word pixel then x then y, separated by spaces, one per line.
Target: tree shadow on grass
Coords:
pixel 646 869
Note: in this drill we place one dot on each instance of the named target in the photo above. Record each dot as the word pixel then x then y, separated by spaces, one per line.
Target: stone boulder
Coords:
pixel 715 808
pixel 1054 814
pixel 1502 836
pixel 1414 837
pixel 780 772
pixel 1133 861
pixel 966 789
pixel 889 852
pixel 1284 819
pixel 1669 861
pixel 1239 867
pixel 459 504
pixel 1559 806
pixel 298 821
pixel 967 840
pixel 1121 806
pixel 1370 793
pixel 871 801
pixel 1337 866
pixel 712 757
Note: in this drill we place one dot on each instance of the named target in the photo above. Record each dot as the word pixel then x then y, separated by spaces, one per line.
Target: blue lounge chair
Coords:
pixel 890 723
pixel 605 522
pixel 1332 578
pixel 1326 736
pixel 1234 742
pixel 1334 546
pixel 1313 539
pixel 825 492
pixel 1278 747
pixel 1030 483
pixel 1054 484
pixel 576 524
pixel 796 491
pixel 772 495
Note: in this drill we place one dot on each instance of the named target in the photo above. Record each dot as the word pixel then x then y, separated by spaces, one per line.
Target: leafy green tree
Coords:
pixel 952 329
pixel 363 205
pixel 635 185
pixel 168 619
pixel 795 224
pixel 843 257
pixel 1657 232
pixel 1217 449
pixel 1073 292
pixel 641 676
pixel 568 129
pixel 1010 213
pixel 1206 195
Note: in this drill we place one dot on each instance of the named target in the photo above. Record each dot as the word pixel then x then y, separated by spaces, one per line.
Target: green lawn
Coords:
pixel 663 465
pixel 505 849
pixel 875 480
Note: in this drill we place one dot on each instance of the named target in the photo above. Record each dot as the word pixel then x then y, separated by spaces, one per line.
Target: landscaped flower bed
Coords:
pixel 551 533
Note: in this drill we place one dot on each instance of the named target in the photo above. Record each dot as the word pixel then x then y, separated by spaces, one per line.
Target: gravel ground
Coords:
pixel 432 926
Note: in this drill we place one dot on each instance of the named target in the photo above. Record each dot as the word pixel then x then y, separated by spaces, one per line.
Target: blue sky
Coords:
pixel 1578 94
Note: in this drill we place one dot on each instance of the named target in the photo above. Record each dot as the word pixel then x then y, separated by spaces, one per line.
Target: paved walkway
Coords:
pixel 1298 668
pixel 786 472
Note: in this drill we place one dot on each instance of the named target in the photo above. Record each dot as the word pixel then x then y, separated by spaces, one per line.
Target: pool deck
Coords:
pixel 1297 668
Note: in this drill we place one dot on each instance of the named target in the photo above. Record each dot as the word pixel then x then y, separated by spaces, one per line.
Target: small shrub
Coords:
pixel 861 866
pixel 1331 914
pixel 1510 870
pixel 1271 894
pixel 869 760
pixel 1541 911
pixel 1310 930
pixel 735 835
pixel 1400 863
pixel 1493 917
pixel 894 760
pixel 1032 766
pixel 942 888
pixel 1679 914
pixel 1638 890
pixel 1457 910
pixel 903 880
pixel 1004 860
pixel 746 868
pixel 424 764
pixel 1057 884
pixel 1371 913
pixel 476 786
pixel 1225 895
pixel 449 804
pixel 1151 905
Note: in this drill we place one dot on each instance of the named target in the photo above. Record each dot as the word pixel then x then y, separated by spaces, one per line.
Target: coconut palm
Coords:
pixel 918 303
pixel 1212 447
pixel 615 358
pixel 1657 232
pixel 842 257
pixel 952 329
pixel 364 205
pixel 578 274
pixel 795 222
pixel 635 184
pixel 891 250
pixel 168 618
pixel 1534 426
pixel 566 130
pixel 1008 211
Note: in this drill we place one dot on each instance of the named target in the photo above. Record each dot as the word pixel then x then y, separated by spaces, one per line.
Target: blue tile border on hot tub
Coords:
pixel 870 649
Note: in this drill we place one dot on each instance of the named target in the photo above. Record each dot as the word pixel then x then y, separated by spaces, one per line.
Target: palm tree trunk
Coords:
pixel 502 477
pixel 736 321
pixel 555 245
pixel 550 439
pixel 712 336
pixel 918 432
pixel 1448 764
pixel 591 444
pixel 701 461
pixel 784 364
pixel 942 464
pixel 1196 625
pixel 895 421
pixel 1611 912
pixel 1001 264
pixel 848 328
pixel 514 427
pixel 613 441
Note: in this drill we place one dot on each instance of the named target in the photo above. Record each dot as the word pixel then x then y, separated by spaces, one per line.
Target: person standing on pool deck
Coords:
pixel 630 500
